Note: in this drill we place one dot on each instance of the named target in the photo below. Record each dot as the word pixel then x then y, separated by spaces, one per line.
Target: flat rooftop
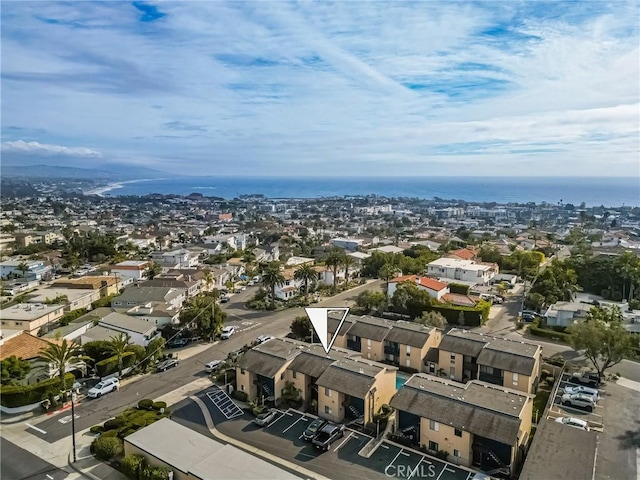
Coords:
pixel 28 311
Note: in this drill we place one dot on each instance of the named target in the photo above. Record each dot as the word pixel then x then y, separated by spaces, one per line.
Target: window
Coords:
pixel 515 378
pixel 295 374
pixel 282 376
pixel 408 350
pixel 242 371
pixel 433 446
pixel 327 392
pixel 242 387
pixel 433 425
pixel 327 409
pixel 368 343
pixel 408 363
pixel 486 369
pixel 457 433
pixel 452 372
pixel 453 358
pixel 456 453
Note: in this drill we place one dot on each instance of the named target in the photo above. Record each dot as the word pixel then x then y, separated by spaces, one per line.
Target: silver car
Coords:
pixel 573 422
pixel 579 400
pixel 573 389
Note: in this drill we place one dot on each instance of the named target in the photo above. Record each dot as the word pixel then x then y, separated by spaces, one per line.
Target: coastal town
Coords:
pixel 463 351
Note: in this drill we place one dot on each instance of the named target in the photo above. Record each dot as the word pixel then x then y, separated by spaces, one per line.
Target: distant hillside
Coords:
pixel 106 172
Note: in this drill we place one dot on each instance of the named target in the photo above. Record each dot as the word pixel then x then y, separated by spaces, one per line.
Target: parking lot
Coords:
pixel 595 418
pixel 224 403
pixel 387 461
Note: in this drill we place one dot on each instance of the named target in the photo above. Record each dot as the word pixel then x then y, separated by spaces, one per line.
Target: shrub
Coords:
pixel 459 288
pixel 239 395
pixel 110 433
pixel 114 423
pixel 155 473
pixel 20 395
pixel 634 304
pixel 106 448
pixel 159 405
pixel 110 365
pixel 97 429
pixel 145 404
pixel 471 316
pixel 534 329
pixel 132 466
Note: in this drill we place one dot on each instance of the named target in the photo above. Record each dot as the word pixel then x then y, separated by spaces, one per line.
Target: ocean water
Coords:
pixel 611 192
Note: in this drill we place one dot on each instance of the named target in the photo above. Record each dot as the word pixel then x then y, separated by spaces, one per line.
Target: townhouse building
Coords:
pixel 476 424
pixel 464 355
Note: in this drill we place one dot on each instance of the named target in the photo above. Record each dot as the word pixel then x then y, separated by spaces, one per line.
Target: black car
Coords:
pixel 169 363
pixel 313 429
pixel 328 434
pixel 176 343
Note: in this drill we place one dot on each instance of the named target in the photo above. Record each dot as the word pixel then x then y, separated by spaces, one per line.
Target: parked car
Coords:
pixel 497 299
pixel 590 379
pixel 328 434
pixel 312 429
pixel 227 332
pixel 266 418
pixel 251 283
pixel 263 338
pixel 105 386
pixel 573 422
pixel 224 299
pixel 176 343
pixel 211 366
pixel 582 389
pixel 579 400
pixel 167 364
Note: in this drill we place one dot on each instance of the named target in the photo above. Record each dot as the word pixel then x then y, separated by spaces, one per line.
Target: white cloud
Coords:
pixel 36 148
pixel 230 87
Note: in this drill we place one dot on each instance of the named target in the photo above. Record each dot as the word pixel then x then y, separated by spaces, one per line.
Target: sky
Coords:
pixel 351 88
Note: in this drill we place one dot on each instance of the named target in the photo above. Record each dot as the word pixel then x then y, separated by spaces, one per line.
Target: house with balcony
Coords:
pixel 433 287
pixel 130 270
pixel 261 371
pixel 465 355
pixel 477 424
pixel 32 318
pixel 458 269
pixel 354 388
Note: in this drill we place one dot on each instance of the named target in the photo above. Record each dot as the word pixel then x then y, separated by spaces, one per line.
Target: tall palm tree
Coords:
pixel 347 263
pixel 307 274
pixel 61 357
pixel 334 260
pixel 208 279
pixel 119 345
pixel 271 278
pixel 24 268
pixel 386 273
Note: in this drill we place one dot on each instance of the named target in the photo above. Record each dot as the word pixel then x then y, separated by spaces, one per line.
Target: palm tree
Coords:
pixel 24 268
pixel 386 273
pixel 208 279
pixel 119 345
pixel 271 278
pixel 347 262
pixel 306 273
pixel 334 260
pixel 62 356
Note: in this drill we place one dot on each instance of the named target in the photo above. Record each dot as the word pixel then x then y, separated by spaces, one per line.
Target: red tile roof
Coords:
pixel 25 346
pixel 425 282
pixel 464 253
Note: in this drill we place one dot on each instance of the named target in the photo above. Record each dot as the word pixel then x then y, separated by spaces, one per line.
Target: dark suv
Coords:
pixel 327 435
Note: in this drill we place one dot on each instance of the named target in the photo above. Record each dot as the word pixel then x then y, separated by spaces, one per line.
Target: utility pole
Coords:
pixel 73 424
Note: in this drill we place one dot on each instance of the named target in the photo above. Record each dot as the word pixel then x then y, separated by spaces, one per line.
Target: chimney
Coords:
pixel 418 279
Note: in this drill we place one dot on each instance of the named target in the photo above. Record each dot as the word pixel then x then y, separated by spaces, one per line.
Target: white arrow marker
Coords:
pixel 318 318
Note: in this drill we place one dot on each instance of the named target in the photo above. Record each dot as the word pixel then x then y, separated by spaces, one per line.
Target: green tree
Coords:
pixel 301 327
pixel 272 277
pixel 153 270
pixel 370 302
pixel 408 299
pixel 14 369
pixel 347 262
pixel 602 338
pixel 201 314
pixel 386 273
pixel 334 260
pixel 306 274
pixel 432 319
pixel 61 357
pixel 119 345
pixel 154 350
pixel 24 268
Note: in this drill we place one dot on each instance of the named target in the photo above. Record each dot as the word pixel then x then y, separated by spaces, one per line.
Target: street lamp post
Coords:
pixel 73 424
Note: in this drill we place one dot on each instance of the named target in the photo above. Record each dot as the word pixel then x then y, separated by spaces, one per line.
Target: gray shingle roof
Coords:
pixel 266 359
pixel 507 361
pixel 125 322
pixel 333 322
pixel 462 346
pixel 372 328
pixel 406 333
pixel 349 377
pixel 310 364
pixel 476 407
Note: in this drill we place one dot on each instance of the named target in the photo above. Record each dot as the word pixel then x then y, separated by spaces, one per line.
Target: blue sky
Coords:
pixel 320 88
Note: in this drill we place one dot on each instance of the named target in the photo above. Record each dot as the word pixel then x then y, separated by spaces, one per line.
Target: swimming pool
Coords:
pixel 401 378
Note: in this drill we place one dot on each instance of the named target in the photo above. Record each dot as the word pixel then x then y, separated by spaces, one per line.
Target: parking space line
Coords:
pixel 223 402
pixel 470 476
pixel 343 442
pixel 385 446
pixel 292 424
pixel 443 469
pixel 282 415
pixel 414 470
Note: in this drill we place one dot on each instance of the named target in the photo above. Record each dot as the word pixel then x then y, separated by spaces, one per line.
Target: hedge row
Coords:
pixel 135 467
pixel 110 365
pixel 472 316
pixel 68 317
pixel 534 329
pixel 20 395
pixel 459 288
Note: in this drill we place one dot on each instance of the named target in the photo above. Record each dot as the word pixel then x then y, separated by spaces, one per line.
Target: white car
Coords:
pixel 573 422
pixel 571 389
pixel 106 386
pixel 227 332
pixel 211 366
pixel 263 338
pixel 579 400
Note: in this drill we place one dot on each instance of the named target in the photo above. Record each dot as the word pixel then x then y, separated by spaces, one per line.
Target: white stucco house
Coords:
pixel 465 270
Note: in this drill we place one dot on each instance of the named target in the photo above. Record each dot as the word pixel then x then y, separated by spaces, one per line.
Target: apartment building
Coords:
pixel 477 424
pixel 30 317
pixel 464 355
pixel 457 269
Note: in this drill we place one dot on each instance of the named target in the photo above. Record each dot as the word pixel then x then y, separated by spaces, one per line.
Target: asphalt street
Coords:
pixel 19 464
pixel 250 325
